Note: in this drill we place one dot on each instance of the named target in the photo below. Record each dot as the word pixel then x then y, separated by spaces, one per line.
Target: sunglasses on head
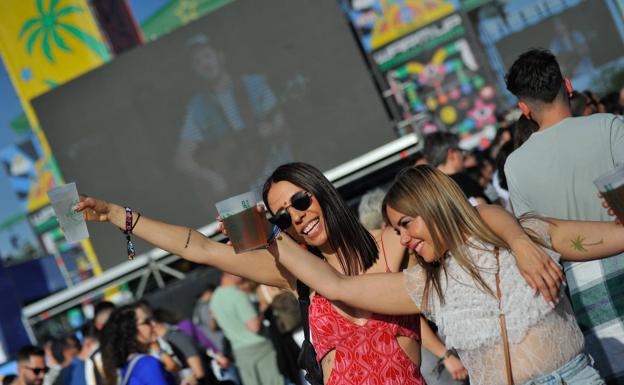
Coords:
pixel 38 371
pixel 300 201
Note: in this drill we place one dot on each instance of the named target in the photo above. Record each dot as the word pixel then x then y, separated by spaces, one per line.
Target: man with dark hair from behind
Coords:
pixel 80 371
pixel 31 366
pixel 64 349
pixel 552 174
pixel 442 151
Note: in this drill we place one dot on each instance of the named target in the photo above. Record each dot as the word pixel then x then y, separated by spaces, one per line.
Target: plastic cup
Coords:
pixel 247 228
pixel 63 199
pixel 611 186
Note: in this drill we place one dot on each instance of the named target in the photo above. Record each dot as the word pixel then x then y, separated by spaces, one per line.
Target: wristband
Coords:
pixel 449 353
pixel 439 367
pixel 274 233
pixel 128 231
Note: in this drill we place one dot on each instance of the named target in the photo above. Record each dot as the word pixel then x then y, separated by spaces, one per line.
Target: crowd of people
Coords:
pixel 504 265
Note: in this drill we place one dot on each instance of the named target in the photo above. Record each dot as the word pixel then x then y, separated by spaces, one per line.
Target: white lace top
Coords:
pixel 541 339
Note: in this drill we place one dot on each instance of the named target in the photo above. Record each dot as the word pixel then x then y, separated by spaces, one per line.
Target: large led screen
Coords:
pixel 209 110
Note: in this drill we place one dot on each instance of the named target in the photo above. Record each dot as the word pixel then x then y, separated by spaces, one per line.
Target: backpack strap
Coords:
pixel 131 366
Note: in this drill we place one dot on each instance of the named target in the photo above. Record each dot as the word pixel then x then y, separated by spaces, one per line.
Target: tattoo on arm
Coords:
pixel 579 243
pixel 188 239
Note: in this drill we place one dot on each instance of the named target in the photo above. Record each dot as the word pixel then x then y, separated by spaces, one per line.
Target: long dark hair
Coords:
pixel 119 341
pixel 354 245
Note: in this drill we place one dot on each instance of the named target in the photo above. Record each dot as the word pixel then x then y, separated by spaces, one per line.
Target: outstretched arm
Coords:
pixel 258 265
pixel 537 268
pixel 380 293
pixel 586 240
pixel 384 292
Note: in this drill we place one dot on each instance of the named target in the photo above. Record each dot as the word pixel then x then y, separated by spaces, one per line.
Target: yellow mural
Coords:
pixel 45 43
pixel 48 42
pixel 399 17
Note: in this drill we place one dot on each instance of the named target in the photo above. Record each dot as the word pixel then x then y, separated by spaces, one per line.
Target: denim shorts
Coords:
pixel 578 371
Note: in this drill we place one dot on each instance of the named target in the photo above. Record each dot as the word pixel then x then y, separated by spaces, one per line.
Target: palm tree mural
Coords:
pixel 46 28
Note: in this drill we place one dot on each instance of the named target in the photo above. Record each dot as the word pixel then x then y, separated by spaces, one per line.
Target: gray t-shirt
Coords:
pixel 552 173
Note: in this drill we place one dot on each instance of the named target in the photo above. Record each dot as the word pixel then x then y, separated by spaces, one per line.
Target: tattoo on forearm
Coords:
pixel 580 244
pixel 188 239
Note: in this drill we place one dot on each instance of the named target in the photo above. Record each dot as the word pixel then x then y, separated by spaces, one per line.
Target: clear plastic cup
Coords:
pixel 611 186
pixel 247 228
pixel 63 199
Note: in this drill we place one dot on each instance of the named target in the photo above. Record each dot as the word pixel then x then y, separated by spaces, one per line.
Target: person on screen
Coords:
pixel 322 221
pixel 233 131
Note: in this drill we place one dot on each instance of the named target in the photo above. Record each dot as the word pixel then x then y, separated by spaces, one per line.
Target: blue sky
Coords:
pixel 143 9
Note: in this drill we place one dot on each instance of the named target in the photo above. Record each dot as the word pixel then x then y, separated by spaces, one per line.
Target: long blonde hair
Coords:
pixel 426 192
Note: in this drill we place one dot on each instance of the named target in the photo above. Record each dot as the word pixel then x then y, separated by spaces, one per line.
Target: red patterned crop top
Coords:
pixel 365 355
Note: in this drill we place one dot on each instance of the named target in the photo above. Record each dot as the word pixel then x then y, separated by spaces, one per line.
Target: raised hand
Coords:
pixel 93 209
pixel 223 230
pixel 610 211
pixel 539 270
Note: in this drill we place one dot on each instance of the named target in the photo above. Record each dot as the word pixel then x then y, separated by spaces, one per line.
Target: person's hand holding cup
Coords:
pixel 244 222
pixel 611 189
pixel 63 200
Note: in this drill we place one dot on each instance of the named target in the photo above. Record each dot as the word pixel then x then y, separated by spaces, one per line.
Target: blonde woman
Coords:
pixel 455 283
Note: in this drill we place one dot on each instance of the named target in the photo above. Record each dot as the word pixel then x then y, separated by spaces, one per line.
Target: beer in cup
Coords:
pixel 611 186
pixel 247 228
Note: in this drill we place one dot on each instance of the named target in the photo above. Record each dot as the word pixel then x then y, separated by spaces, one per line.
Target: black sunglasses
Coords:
pixel 38 371
pixel 301 201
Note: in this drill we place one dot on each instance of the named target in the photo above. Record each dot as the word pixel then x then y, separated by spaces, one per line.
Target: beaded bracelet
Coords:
pixel 274 233
pixel 128 231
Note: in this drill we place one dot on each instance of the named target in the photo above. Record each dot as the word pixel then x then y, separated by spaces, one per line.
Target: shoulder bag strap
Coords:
pixel 131 366
pixel 303 292
pixel 503 324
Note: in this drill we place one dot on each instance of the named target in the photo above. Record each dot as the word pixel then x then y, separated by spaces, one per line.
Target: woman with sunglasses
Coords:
pixel 309 208
pixel 466 278
pixel 125 344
